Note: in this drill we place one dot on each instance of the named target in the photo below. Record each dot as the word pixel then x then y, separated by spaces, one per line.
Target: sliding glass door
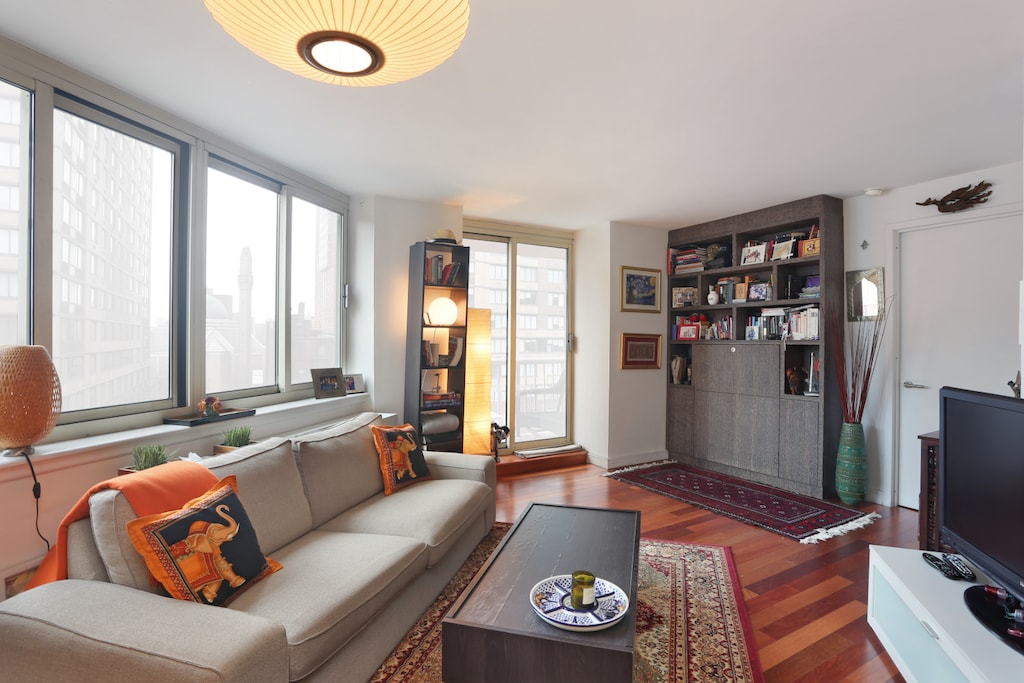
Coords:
pixel 524 282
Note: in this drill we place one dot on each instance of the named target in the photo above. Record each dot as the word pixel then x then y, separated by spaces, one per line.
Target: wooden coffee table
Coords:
pixel 492 633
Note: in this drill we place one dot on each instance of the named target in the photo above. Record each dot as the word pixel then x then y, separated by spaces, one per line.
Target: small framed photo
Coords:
pixel 754 254
pixel 640 290
pixel 328 382
pixel 354 384
pixel 783 250
pixel 759 291
pixel 640 351
pixel 810 247
pixel 688 332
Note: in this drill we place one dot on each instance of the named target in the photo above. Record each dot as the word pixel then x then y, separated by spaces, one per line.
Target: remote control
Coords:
pixel 945 567
pixel 959 565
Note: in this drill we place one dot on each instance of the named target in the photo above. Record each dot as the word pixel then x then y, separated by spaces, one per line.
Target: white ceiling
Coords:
pixel 574 113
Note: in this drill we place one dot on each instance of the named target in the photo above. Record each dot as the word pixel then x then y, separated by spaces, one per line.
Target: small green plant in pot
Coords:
pixel 239 436
pixel 233 438
pixel 148 455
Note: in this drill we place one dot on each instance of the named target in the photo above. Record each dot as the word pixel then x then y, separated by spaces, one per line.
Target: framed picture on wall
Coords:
pixel 640 290
pixel 640 351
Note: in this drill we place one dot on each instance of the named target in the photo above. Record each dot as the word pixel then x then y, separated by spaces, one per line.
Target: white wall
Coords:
pixel 637 398
pixel 592 279
pixel 382 230
pixel 876 220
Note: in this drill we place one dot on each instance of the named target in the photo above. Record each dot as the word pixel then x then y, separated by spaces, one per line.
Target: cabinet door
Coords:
pixel 756 434
pixel 741 368
pixel 680 423
pixel 714 418
pixel 800 442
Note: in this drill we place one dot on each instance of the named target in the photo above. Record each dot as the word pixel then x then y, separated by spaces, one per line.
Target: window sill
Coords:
pixel 279 419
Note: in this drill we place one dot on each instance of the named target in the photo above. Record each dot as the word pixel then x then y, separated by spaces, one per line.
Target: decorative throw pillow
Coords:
pixel 401 460
pixel 207 551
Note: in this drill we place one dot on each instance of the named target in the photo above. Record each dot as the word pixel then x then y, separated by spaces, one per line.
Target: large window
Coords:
pixel 315 308
pixel 241 282
pixel 530 365
pixel 147 226
pixel 14 186
pixel 112 250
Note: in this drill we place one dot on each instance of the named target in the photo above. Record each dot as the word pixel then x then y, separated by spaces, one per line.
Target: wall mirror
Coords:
pixel 865 294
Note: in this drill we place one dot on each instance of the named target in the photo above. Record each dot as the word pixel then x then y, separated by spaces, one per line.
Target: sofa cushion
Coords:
pixel 339 466
pixel 331 587
pixel 207 551
pixel 270 488
pixel 436 512
pixel 400 456
pixel 109 514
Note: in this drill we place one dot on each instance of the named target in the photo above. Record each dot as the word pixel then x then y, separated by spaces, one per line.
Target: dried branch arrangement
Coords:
pixel 961 198
pixel 855 364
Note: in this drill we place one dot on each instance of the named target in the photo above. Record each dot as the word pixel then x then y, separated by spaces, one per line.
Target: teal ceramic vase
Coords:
pixel 851 465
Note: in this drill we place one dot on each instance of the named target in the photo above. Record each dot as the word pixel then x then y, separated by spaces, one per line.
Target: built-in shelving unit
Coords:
pixel 751 383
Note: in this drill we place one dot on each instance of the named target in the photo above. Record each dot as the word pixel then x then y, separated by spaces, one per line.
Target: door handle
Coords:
pixel 910 385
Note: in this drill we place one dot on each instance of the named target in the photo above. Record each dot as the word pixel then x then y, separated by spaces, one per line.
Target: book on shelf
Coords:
pixel 446 399
pixel 686 259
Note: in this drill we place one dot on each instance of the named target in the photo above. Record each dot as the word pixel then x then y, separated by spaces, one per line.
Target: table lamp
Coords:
pixel 30 398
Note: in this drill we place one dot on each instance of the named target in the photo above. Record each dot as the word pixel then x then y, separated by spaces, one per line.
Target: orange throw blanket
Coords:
pixel 158 489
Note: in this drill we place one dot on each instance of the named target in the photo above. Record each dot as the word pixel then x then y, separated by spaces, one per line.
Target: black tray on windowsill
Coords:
pixel 228 414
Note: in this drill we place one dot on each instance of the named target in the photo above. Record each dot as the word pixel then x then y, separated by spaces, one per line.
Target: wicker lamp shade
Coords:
pixel 29 395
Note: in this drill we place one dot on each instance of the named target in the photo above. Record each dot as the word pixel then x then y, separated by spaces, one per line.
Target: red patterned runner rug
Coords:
pixel 692 625
pixel 801 518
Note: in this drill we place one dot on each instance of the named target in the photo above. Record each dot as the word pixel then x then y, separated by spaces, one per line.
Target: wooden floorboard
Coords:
pixel 807 602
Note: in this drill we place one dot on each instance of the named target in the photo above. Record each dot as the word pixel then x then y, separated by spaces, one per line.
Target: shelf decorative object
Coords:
pixel 855 366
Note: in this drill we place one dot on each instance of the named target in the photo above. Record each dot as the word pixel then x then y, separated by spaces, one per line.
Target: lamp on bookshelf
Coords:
pixel 442 311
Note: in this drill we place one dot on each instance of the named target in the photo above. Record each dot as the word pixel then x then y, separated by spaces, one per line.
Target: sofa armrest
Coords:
pixel 78 630
pixel 445 465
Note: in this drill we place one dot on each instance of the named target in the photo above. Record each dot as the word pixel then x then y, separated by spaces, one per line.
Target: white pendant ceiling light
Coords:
pixel 347 42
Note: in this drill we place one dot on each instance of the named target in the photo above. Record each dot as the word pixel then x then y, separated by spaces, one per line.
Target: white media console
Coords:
pixel 922 620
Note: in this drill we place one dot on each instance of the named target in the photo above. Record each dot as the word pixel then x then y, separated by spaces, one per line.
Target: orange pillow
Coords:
pixel 205 552
pixel 401 460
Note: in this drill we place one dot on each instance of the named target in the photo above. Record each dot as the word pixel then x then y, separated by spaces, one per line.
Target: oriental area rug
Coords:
pixel 801 518
pixel 691 622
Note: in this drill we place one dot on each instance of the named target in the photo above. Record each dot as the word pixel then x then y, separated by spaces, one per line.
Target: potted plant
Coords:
pixel 145 456
pixel 234 438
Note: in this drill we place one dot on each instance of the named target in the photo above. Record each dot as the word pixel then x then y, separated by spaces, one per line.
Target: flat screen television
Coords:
pixel 980 491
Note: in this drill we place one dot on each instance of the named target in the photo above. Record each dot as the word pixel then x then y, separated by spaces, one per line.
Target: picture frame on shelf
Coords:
pixel 328 382
pixel 640 351
pixel 810 247
pixel 753 254
pixel 759 291
pixel 354 384
pixel 639 289
pixel 688 332
pixel 783 250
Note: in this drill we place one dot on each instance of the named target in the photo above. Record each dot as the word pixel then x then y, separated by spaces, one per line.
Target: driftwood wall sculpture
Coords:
pixel 961 198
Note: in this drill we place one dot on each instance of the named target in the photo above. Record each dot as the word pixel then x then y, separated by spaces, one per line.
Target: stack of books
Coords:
pixel 687 259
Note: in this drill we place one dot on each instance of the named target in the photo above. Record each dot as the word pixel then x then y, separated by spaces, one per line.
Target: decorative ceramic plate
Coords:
pixel 551 600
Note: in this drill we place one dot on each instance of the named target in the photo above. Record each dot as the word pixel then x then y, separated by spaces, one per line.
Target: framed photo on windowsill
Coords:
pixel 328 382
pixel 640 351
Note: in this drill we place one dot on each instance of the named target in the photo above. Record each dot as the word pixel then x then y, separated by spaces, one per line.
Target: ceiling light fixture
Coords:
pixel 347 42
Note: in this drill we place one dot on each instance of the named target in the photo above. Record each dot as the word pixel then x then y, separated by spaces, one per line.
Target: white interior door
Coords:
pixel 959 317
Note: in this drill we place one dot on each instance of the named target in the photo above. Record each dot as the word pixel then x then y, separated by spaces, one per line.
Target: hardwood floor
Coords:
pixel 807 603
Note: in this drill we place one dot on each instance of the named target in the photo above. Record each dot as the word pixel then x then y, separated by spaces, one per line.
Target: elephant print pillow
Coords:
pixel 205 552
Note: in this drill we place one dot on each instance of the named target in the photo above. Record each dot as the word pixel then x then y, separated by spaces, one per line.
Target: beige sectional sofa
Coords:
pixel 359 568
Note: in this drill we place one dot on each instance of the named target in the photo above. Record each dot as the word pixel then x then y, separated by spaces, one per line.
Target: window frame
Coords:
pixel 49 83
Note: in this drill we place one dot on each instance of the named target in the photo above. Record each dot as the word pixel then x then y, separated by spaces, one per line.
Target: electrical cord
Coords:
pixel 37 491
